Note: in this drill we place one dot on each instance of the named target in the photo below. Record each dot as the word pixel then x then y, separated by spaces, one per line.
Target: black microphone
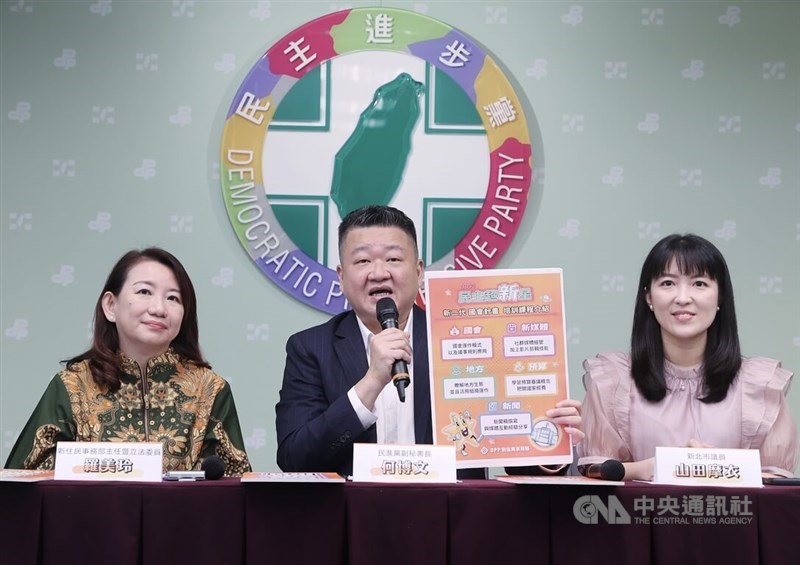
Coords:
pixel 386 311
pixel 608 470
pixel 213 466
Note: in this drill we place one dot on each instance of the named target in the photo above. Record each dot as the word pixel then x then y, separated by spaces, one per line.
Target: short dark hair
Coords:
pixel 384 216
pixel 722 358
pixel 103 356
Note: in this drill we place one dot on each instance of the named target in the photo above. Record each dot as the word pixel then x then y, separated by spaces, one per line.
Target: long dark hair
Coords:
pixel 103 356
pixel 722 358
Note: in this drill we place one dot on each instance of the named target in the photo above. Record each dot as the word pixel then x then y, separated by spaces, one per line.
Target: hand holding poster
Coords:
pixel 498 359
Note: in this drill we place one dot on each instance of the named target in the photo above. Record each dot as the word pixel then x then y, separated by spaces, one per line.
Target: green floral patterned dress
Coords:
pixel 189 409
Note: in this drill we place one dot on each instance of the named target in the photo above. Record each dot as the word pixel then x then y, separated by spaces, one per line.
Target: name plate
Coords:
pixel 108 461
pixel 377 463
pixel 707 467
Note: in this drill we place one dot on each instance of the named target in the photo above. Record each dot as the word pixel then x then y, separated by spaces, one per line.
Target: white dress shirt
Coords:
pixel 394 419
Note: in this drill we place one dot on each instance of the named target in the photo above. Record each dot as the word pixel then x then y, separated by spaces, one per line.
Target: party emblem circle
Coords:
pixel 373 106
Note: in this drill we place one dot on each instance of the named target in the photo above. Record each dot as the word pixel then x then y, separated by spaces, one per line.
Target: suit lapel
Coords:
pixel 349 347
pixel 422 387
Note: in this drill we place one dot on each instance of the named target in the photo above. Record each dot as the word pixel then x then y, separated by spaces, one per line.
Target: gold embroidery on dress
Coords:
pixel 236 462
pixel 42 455
pixel 179 402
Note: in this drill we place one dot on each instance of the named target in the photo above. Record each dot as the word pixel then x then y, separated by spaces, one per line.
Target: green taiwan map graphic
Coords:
pixel 369 166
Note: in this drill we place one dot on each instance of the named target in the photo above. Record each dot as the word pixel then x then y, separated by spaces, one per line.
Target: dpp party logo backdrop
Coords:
pixel 373 106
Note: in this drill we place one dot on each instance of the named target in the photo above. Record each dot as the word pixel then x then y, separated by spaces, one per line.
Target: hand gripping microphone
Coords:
pixel 386 311
pixel 608 470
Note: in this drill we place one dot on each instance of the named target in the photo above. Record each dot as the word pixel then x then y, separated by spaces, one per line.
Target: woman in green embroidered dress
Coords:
pixel 144 378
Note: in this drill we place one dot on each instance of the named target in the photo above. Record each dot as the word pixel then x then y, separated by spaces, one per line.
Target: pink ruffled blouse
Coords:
pixel 620 424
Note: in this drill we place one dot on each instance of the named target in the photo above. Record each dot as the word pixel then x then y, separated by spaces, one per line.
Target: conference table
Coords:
pixel 472 522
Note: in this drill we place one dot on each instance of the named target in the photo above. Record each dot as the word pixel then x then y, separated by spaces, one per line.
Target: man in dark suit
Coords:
pixel 336 389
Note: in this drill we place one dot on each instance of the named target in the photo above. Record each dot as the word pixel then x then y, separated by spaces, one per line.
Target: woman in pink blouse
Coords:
pixel 685 382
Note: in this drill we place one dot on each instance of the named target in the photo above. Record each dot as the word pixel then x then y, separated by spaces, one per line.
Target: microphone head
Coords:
pixel 612 470
pixel 386 310
pixel 213 466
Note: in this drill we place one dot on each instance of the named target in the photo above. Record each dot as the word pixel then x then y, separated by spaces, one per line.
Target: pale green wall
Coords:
pixel 53 263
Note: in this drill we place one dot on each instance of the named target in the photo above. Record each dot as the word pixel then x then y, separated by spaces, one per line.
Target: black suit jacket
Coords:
pixel 315 422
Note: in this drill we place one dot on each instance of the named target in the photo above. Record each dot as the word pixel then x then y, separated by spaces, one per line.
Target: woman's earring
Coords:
pixel 651 306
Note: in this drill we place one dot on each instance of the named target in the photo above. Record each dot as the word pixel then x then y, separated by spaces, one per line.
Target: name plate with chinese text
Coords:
pixel 707 467
pixel 108 461
pixel 378 463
